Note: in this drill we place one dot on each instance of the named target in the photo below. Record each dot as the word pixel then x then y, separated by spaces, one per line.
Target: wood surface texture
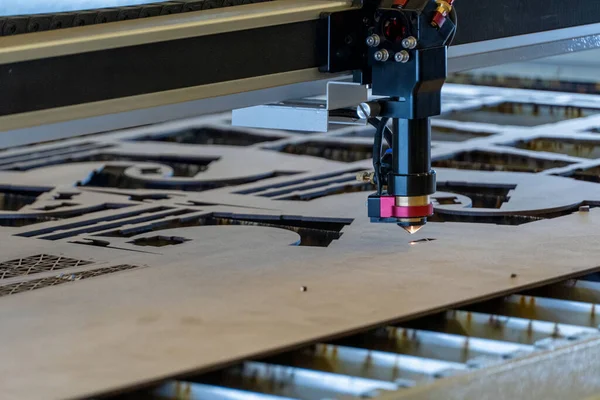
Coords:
pixel 215 241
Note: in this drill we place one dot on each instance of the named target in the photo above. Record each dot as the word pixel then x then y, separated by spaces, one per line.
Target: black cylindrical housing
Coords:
pixel 412 142
pixel 411 173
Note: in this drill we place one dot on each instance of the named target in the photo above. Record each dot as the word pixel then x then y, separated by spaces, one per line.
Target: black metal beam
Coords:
pixel 156 67
pixel 110 74
pixel 481 20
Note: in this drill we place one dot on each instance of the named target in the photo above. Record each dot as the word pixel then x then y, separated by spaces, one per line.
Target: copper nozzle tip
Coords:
pixel 413 228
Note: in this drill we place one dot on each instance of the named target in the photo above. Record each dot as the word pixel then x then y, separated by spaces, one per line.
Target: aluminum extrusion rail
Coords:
pixel 41 22
pixel 180 65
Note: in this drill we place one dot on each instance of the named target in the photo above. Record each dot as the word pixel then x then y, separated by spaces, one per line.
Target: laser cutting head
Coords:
pixel 403 57
pixel 407 57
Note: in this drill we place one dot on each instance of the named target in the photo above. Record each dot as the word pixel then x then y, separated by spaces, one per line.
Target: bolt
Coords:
pixel 513 275
pixel 382 55
pixel 402 56
pixel 363 110
pixel 303 289
pixel 368 110
pixel 409 42
pixel 373 40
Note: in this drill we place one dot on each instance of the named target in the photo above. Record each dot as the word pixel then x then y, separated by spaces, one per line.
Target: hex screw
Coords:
pixel 409 42
pixel 373 40
pixel 382 55
pixel 402 56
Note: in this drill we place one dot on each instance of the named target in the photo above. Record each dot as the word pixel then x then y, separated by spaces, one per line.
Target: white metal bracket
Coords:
pixel 311 114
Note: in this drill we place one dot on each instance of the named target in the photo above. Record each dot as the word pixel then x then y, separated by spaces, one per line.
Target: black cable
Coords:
pixel 344 113
pixel 377 145
pixel 387 133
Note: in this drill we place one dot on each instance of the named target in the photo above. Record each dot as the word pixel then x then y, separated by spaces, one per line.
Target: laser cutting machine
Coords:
pixel 149 63
pixel 301 65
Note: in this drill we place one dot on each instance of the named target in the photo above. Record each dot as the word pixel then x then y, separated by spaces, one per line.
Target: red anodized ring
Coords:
pixel 412 211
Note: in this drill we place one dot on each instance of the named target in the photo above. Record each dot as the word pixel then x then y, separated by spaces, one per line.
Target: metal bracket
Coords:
pixel 310 114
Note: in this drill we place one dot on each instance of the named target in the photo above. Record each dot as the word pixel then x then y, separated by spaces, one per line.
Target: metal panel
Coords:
pixel 488 20
pixel 309 115
pixel 16 7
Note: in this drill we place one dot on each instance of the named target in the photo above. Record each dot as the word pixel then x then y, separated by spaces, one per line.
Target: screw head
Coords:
pixel 402 56
pixel 373 40
pixel 409 42
pixel 382 55
pixel 363 110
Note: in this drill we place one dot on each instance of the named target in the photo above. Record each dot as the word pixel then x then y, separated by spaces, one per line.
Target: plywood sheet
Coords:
pixel 221 237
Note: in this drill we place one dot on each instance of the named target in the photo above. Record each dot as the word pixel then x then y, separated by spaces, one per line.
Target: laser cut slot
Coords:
pixel 316 180
pixel 330 150
pixel 588 175
pixel 446 201
pixel 13 199
pixel 444 134
pixel 211 136
pixel 159 241
pixel 349 187
pixel 114 177
pixel 65 196
pixel 517 82
pixel 483 196
pixel 94 222
pixel 57 206
pixel 521 114
pixel 20 162
pixel 25 219
pixel 182 167
pixel 500 219
pixel 438 133
pixel 570 147
pixel 315 233
pixel 488 161
pixel 485 219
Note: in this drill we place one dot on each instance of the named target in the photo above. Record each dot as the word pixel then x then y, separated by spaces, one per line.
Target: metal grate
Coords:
pixel 59 279
pixel 36 264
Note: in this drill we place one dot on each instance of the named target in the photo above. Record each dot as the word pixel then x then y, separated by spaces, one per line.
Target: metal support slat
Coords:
pixel 198 391
pixel 450 347
pixel 507 328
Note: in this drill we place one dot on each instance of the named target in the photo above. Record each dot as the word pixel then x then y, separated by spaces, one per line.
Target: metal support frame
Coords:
pixel 158 68
pixel 310 115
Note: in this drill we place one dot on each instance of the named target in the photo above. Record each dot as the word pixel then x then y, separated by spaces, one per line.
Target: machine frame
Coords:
pixel 54 83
